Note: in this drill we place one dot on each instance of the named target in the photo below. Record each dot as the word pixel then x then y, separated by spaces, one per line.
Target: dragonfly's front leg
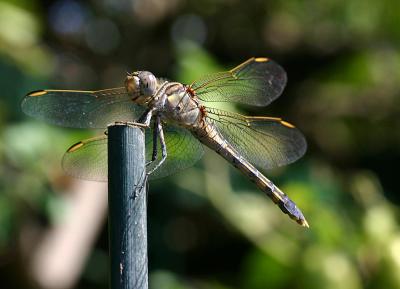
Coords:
pixel 160 133
pixel 143 121
pixel 146 117
pixel 129 123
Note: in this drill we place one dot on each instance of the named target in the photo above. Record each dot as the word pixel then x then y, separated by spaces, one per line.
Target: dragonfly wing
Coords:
pixel 88 159
pixel 183 151
pixel 266 142
pixel 258 81
pixel 82 109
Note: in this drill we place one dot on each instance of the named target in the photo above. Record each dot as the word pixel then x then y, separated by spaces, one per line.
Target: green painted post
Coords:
pixel 127 198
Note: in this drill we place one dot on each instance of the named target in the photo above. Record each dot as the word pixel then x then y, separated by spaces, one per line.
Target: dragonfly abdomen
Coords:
pixel 210 136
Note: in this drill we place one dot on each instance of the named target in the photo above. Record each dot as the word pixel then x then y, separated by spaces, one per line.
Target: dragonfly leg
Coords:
pixel 160 133
pixel 131 123
pixel 140 186
pixel 146 117
pixel 155 151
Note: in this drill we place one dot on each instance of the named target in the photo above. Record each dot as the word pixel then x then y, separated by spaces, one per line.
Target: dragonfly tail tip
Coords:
pixel 303 223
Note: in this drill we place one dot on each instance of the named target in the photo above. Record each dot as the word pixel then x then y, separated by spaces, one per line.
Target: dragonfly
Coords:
pixel 182 118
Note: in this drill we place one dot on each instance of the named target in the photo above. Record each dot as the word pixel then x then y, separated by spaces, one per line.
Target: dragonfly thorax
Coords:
pixel 180 106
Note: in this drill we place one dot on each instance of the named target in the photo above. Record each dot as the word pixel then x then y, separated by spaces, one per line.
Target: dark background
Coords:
pixel 209 227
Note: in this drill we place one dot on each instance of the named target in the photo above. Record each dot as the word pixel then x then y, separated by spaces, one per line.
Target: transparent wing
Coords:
pixel 264 141
pixel 82 109
pixel 258 81
pixel 183 151
pixel 88 159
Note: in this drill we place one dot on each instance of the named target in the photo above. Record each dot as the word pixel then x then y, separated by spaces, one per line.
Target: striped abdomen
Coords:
pixel 209 136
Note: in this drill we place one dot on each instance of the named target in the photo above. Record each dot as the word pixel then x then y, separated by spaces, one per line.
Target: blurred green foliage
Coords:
pixel 208 226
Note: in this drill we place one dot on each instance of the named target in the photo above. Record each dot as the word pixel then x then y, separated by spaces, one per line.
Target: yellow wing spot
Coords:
pixel 287 124
pixel 38 93
pixel 261 59
pixel 75 147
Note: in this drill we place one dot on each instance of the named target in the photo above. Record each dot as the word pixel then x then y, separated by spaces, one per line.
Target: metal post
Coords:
pixel 127 208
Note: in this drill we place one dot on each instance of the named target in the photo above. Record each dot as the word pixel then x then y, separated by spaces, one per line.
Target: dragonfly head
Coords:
pixel 142 85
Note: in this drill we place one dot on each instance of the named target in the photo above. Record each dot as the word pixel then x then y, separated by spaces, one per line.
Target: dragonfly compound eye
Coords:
pixel 132 84
pixel 148 83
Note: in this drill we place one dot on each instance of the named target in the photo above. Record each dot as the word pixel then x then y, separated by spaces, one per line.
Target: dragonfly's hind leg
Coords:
pixel 160 133
pixel 155 150
pixel 140 186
